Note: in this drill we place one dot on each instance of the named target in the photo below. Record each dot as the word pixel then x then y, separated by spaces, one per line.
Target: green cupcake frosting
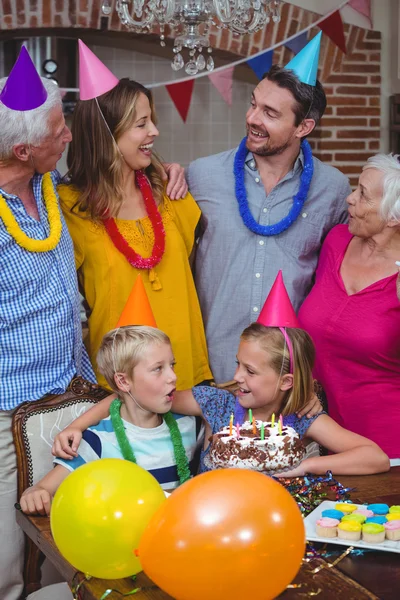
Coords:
pixel 355 517
pixel 373 528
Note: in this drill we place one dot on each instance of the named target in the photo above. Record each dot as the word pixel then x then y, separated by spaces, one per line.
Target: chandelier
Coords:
pixel 192 20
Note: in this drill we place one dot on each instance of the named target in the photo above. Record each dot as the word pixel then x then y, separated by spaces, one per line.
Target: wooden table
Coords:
pixel 371 575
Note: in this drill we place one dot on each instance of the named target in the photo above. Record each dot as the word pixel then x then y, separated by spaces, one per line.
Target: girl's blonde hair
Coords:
pixel 94 160
pixel 121 349
pixel 272 341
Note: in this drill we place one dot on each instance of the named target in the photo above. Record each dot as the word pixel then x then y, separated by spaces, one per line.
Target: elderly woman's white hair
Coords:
pixel 26 127
pixel 389 166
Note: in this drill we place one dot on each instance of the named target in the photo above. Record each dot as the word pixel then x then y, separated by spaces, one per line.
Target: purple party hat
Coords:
pixel 24 89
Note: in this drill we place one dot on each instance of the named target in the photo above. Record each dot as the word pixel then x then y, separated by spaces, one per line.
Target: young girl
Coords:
pixel 138 365
pixel 267 383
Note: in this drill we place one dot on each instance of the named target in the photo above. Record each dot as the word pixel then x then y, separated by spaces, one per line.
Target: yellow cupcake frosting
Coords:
pixel 345 508
pixel 393 516
pixel 373 528
pixel 349 526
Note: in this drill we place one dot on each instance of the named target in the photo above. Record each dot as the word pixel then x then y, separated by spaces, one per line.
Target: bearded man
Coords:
pixel 266 205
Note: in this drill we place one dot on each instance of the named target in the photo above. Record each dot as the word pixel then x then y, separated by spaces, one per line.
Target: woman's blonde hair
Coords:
pixel 94 160
pixel 121 349
pixel 272 341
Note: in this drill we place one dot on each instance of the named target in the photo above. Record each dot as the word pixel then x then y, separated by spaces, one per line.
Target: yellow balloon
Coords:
pixel 99 513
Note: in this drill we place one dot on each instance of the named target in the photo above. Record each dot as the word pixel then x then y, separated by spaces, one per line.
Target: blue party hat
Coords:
pixel 305 63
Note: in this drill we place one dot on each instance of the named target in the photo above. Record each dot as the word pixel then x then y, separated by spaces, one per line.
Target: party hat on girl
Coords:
pixel 278 310
pixel 95 78
pixel 305 63
pixel 137 310
pixel 24 89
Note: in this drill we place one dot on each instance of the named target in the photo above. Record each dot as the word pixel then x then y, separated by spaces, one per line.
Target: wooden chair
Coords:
pixel 35 425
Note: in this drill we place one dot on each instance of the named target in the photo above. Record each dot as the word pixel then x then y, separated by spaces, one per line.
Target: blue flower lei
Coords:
pixel 298 200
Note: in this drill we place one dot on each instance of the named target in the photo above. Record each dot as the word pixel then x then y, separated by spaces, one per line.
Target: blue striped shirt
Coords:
pixel 41 347
pixel 152 447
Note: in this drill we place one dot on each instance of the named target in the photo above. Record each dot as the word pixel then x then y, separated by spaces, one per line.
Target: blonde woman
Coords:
pixel 122 224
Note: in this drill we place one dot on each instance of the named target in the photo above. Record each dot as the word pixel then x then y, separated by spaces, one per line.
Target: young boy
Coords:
pixel 138 364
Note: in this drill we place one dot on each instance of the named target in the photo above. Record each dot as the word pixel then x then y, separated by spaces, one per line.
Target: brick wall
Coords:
pixel 350 129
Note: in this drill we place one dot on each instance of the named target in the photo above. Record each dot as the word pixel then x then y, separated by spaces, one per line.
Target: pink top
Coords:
pixel 357 339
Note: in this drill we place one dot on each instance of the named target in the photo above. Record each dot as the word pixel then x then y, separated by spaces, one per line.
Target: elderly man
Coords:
pixel 41 346
pixel 266 205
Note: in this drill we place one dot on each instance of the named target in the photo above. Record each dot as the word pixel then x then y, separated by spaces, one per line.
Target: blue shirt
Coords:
pixel 235 268
pixel 153 447
pixel 41 347
pixel 218 405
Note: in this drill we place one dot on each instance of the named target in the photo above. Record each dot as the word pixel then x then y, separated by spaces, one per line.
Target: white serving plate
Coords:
pixel 311 534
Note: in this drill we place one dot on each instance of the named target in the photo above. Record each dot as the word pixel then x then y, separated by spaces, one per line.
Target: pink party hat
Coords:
pixel 278 310
pixel 94 77
pixel 24 89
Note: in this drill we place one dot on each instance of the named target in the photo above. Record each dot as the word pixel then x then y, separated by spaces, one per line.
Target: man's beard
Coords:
pixel 269 149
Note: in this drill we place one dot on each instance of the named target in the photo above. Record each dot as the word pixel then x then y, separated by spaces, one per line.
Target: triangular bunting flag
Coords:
pixel 137 310
pixel 181 95
pixel 332 26
pixel 261 64
pixel 297 43
pixel 222 80
pixel 363 7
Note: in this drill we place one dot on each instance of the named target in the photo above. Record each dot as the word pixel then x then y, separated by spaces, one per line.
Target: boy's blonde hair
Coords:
pixel 272 341
pixel 121 349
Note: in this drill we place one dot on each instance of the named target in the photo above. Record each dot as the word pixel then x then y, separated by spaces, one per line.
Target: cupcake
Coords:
pixel 345 508
pixel 394 509
pixel 327 527
pixel 350 530
pixel 392 529
pixel 363 511
pixel 378 509
pixel 355 517
pixel 392 517
pixel 331 513
pixel 379 519
pixel 373 533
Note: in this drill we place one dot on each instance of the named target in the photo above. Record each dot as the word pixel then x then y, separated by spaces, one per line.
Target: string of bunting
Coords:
pixel 181 90
pixel 331 24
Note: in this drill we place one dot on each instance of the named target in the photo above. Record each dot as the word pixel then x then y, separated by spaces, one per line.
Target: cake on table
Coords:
pixel 260 446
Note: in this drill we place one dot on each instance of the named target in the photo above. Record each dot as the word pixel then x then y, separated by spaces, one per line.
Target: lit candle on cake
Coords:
pixel 254 427
pixel 231 425
pixel 238 430
pixel 281 420
pixel 250 415
pixel 273 420
pixel 280 427
pixel 262 433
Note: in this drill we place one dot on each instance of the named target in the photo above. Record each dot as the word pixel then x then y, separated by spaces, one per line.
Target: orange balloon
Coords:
pixel 229 533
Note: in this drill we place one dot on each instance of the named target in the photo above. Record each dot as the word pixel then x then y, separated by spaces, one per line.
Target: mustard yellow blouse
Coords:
pixel 106 279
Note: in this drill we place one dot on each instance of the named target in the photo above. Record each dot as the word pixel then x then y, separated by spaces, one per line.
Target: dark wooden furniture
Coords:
pixel 34 426
pixel 373 575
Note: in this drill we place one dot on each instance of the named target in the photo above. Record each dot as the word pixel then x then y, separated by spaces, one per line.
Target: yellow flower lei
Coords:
pixel 53 214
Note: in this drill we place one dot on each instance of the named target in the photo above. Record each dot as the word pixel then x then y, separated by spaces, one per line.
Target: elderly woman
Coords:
pixel 353 310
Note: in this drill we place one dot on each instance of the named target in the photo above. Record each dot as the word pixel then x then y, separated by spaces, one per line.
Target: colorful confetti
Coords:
pixel 309 491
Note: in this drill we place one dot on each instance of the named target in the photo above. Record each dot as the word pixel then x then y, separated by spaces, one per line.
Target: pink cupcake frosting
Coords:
pixel 392 524
pixel 364 511
pixel 328 522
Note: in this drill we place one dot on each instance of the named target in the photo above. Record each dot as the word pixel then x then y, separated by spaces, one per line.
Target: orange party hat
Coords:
pixel 137 310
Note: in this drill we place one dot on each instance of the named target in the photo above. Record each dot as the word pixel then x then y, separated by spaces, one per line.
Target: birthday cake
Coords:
pixel 280 449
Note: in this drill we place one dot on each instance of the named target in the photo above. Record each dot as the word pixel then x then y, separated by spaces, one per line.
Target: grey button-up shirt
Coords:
pixel 236 268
